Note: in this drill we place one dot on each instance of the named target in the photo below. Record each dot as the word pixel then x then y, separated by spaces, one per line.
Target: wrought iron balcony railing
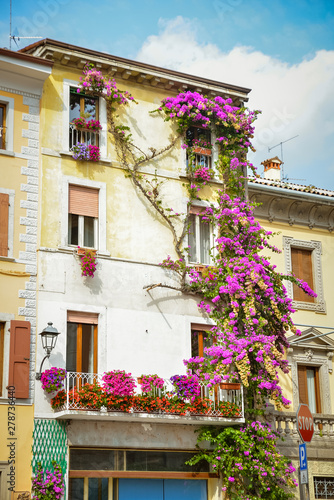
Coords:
pixel 84 392
pixel 83 136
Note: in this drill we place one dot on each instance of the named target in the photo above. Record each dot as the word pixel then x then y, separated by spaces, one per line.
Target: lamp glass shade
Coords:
pixel 49 337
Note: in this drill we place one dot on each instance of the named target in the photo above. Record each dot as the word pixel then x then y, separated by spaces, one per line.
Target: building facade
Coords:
pixel 116 320
pixel 21 83
pixel 302 218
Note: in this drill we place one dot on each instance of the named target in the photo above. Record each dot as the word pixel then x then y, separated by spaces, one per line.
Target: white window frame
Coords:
pixel 11 195
pixel 315 356
pixel 197 236
pixel 67 84
pixel 318 305
pixel 9 102
pixel 81 230
pixel 6 319
pixel 100 229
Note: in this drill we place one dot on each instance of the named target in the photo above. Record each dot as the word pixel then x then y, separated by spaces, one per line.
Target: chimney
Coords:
pixel 272 169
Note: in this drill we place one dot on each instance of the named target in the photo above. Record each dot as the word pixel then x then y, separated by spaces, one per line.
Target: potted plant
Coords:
pixel 186 386
pixel 151 384
pixel 83 124
pixel 201 146
pixel 52 380
pixel 119 383
pixel 82 151
pixel 88 261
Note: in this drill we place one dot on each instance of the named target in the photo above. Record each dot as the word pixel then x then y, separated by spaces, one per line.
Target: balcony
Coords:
pixel 84 136
pixel 84 398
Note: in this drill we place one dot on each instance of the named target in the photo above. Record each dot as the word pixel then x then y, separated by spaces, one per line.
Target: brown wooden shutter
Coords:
pixel 301 260
pixel 302 385
pixel 4 204
pixel 19 355
pixel 82 317
pixel 83 201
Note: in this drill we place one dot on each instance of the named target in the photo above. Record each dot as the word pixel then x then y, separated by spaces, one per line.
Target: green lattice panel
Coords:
pixel 49 443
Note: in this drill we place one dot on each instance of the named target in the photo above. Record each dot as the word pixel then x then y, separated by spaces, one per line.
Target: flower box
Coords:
pixel 230 386
pixel 202 151
pixel 82 251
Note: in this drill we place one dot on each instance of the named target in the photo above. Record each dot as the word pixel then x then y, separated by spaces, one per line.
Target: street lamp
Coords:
pixel 49 338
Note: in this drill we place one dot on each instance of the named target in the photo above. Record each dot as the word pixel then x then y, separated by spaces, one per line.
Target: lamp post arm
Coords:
pixel 39 374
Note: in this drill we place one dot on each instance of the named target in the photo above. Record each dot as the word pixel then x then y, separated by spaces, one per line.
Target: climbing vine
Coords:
pixel 241 290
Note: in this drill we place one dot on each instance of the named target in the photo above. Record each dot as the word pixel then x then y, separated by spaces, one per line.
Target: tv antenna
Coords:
pixel 13 37
pixel 281 144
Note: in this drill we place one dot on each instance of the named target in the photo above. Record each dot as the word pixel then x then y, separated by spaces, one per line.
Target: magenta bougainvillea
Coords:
pixel 47 484
pixel 241 291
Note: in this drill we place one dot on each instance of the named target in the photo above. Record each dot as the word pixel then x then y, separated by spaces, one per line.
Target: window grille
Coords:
pixel 323 487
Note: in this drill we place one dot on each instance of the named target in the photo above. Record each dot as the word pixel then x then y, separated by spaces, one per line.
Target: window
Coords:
pixel 2 126
pixel 200 338
pixel 198 136
pixel 145 475
pixel 83 215
pixel 2 344
pixel 323 487
pixel 302 268
pixel 199 237
pixel 81 346
pixel 309 387
pixel 6 123
pixel 303 258
pixel 87 107
pixel 4 223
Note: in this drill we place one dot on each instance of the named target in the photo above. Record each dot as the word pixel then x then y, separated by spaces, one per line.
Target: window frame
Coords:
pixel 101 222
pixel 8 103
pixel 11 199
pixel 318 305
pixel 102 107
pixel 81 221
pixel 3 126
pixel 198 236
pixel 82 136
pixel 93 323
pixel 302 374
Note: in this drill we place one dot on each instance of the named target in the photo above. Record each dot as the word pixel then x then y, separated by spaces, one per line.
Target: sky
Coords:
pixel 283 50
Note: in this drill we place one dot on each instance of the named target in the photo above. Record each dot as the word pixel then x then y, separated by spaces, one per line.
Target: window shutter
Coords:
pixel 82 317
pixel 301 261
pixel 83 201
pixel 4 204
pixel 302 385
pixel 19 355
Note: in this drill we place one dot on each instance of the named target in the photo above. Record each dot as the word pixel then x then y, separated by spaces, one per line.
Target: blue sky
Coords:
pixel 283 50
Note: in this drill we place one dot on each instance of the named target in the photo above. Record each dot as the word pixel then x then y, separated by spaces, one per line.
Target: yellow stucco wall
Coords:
pixel 13 278
pixel 327 264
pixel 125 235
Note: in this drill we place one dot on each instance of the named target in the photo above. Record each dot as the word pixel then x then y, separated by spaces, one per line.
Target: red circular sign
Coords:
pixel 305 423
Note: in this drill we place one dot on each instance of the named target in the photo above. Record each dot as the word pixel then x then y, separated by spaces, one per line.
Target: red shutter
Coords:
pixel 83 201
pixel 19 355
pixel 4 204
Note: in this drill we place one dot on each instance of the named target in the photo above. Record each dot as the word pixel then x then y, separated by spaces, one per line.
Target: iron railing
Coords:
pixel 83 136
pixel 76 381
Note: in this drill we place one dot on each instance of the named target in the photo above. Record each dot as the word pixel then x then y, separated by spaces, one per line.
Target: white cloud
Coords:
pixel 294 99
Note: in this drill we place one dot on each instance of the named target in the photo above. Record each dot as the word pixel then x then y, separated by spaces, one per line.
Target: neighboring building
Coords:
pixel 110 321
pixel 21 81
pixel 303 216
